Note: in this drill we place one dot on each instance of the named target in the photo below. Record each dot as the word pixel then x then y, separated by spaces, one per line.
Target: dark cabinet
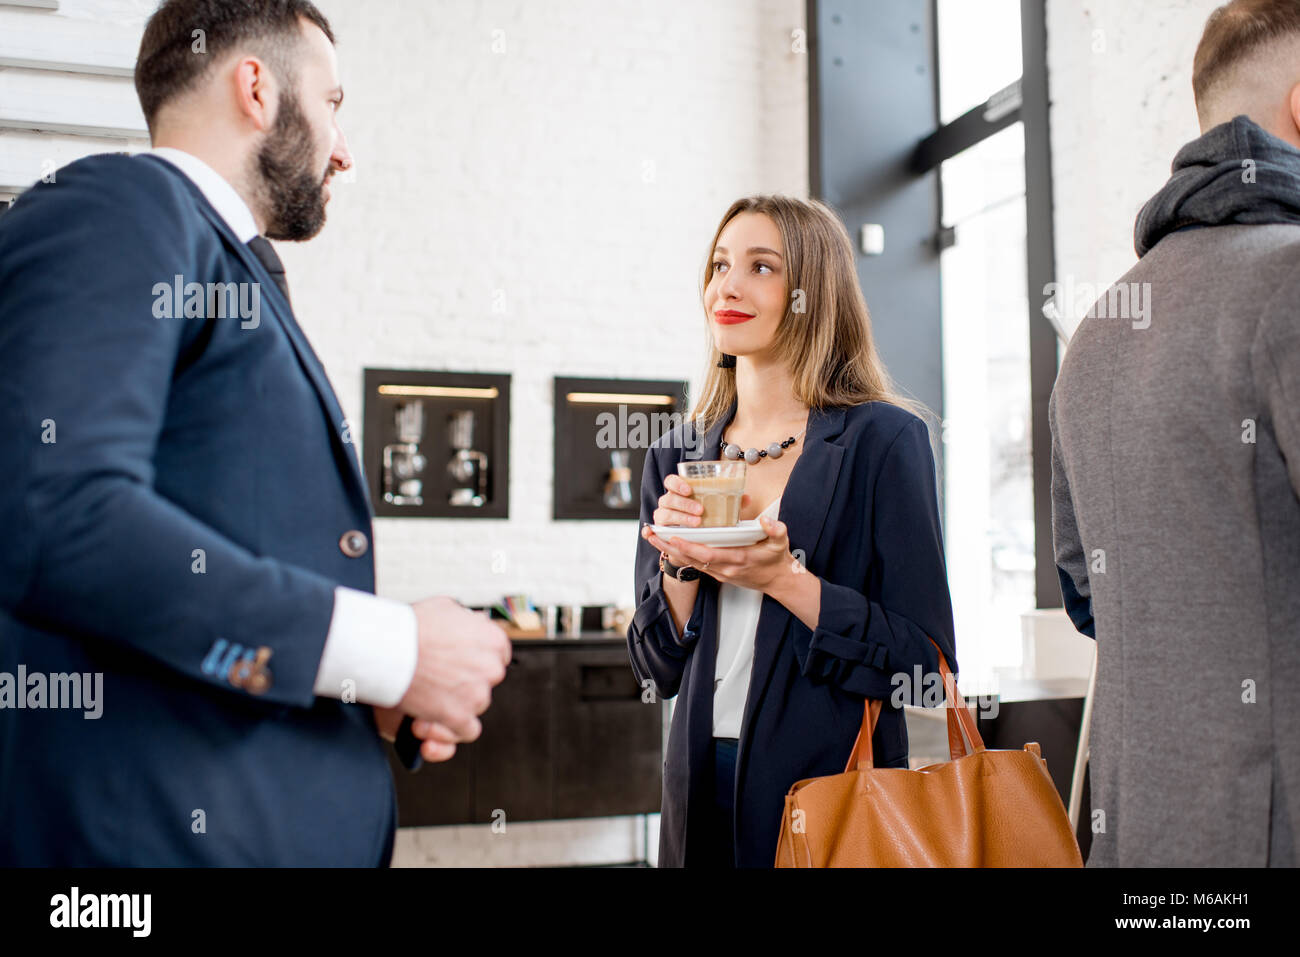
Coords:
pixel 567 736
pixel 598 705
pixel 441 793
pixel 512 760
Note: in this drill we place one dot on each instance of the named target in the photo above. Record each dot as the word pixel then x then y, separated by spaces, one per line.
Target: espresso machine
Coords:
pixel 468 467
pixel 403 462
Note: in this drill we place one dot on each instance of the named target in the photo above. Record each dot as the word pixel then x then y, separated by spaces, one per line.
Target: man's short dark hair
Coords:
pixel 174 54
pixel 1234 32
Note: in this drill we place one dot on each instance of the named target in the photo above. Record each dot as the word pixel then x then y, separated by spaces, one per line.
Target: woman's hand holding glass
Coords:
pixel 760 566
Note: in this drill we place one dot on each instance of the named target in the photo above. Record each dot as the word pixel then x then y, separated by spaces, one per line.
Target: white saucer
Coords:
pixel 748 532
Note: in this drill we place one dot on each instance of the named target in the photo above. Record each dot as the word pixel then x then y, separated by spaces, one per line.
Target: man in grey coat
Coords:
pixel 1175 472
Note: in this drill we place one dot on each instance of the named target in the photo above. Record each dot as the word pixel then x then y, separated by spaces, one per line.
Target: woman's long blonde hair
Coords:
pixel 826 330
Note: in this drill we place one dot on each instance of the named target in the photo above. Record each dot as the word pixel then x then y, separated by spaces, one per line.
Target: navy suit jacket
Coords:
pixel 861 504
pixel 187 513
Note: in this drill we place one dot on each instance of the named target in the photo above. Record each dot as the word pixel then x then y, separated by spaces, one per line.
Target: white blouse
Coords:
pixel 738 610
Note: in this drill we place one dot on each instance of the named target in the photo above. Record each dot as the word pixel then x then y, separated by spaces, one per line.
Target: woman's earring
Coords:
pixel 727 362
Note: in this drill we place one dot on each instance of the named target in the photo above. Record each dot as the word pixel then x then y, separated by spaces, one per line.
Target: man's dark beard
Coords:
pixel 291 194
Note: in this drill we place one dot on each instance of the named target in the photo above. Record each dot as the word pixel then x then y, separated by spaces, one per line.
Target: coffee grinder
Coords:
pixel 468 467
pixel 403 462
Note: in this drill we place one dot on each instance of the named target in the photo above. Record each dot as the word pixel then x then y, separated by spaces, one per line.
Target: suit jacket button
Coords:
pixel 353 544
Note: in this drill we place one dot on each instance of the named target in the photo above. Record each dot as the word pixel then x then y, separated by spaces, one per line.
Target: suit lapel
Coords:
pixel 804 505
pixel 808 491
pixel 807 495
pixel 699 719
pixel 311 364
pixel 307 358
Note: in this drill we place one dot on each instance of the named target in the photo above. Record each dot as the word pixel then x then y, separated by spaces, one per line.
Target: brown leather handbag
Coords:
pixel 981 809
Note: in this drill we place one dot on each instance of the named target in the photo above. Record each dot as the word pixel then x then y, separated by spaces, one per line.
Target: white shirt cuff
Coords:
pixel 370 651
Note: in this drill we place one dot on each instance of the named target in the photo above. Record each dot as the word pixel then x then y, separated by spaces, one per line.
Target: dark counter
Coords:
pixel 567 736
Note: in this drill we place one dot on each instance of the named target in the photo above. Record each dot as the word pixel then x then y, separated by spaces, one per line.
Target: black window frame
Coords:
pixel 1026 101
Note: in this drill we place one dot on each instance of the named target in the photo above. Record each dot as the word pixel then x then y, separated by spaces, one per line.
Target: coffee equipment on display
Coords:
pixel 618 482
pixel 468 466
pixel 403 462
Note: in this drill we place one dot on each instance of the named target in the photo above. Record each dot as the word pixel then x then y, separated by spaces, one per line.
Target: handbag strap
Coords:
pixel 959 721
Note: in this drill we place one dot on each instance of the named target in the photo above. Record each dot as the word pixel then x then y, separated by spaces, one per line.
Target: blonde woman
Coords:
pixel 772 648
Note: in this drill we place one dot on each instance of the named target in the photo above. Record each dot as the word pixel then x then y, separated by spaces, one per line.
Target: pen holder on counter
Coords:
pixel 518 618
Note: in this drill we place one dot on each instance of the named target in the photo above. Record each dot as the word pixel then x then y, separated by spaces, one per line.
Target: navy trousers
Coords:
pixel 724 802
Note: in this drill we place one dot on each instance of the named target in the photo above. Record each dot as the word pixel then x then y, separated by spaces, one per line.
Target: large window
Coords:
pixel 959 90
pixel 988 375
pixel 979 52
pixel 989 495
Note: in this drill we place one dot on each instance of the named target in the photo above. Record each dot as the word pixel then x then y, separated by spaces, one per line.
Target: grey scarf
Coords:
pixel 1235 173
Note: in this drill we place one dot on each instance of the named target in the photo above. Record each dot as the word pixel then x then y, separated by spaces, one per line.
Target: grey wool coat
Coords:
pixel 1175 470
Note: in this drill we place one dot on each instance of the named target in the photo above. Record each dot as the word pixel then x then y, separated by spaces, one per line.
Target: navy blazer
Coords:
pixel 861 503
pixel 175 494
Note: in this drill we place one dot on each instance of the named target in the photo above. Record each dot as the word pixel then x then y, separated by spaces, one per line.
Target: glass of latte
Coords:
pixel 717 486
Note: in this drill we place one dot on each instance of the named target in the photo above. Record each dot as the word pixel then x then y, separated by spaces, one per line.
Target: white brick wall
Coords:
pixel 577 161
pixel 573 157
pixel 567 159
pixel 100 34
pixel 619 131
pixel 580 171
pixel 1120 75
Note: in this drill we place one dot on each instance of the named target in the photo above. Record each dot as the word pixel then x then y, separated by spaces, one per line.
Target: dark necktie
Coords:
pixel 264 251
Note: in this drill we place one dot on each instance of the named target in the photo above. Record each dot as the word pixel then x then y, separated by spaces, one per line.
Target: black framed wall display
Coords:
pixel 603 428
pixel 437 444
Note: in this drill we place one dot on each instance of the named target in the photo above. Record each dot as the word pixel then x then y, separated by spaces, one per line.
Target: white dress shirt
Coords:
pixel 738 610
pixel 371 641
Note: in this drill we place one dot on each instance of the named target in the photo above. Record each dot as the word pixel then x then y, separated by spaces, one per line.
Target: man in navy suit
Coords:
pixel 188 529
